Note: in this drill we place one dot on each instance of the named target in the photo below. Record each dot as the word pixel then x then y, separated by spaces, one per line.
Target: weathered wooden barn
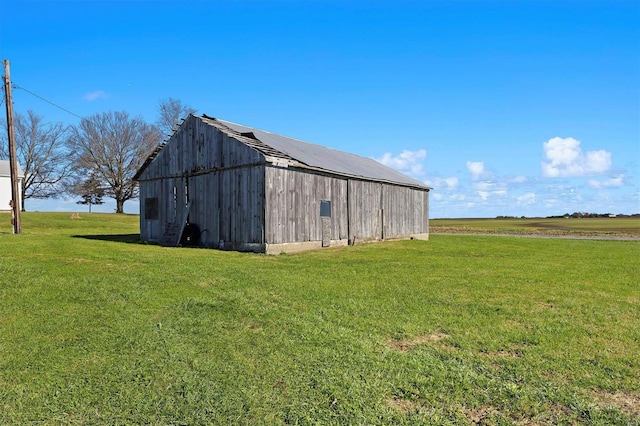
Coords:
pixel 223 185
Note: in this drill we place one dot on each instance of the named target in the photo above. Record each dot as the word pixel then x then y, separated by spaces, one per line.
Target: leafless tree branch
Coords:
pixel 112 146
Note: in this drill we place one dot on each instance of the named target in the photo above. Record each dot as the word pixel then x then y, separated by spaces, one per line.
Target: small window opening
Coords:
pixel 151 208
pixel 325 208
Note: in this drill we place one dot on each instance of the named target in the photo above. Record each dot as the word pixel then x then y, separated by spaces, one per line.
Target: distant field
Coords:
pixel 97 328
pixel 618 226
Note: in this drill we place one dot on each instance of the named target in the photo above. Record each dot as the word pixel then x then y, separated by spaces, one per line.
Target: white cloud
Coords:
pixel 443 183
pixel 496 187
pixel 615 182
pixel 518 179
pixel 451 182
pixel 551 203
pixel 483 194
pixel 484 185
pixel 409 162
pixel 598 161
pixel 527 199
pixel 96 94
pixel 565 159
pixel 476 168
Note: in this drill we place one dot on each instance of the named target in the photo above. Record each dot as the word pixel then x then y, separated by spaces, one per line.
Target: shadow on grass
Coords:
pixel 118 238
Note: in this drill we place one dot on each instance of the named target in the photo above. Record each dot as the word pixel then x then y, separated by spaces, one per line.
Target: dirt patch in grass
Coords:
pixel 504 354
pixel 478 416
pixel 488 415
pixel 513 352
pixel 546 305
pixel 627 402
pixel 554 412
pixel 255 326
pixel 404 405
pixel 407 345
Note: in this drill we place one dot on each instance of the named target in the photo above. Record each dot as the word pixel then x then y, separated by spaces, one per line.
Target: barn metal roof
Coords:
pixel 5 169
pixel 320 157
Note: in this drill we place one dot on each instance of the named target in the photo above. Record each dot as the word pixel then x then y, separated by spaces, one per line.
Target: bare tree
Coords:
pixel 170 112
pixel 112 146
pixel 41 154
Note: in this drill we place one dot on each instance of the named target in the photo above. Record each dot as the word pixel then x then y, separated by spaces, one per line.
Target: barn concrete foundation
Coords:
pixel 424 237
pixel 301 246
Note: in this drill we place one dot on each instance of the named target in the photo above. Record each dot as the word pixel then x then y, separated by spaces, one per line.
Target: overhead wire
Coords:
pixel 15 86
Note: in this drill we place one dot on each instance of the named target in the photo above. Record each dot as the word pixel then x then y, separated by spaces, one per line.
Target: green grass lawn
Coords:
pixel 96 328
pixel 618 226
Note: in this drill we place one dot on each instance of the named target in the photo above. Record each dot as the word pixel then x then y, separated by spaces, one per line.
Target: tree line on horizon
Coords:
pixel 96 158
pixel 586 215
pixel 575 215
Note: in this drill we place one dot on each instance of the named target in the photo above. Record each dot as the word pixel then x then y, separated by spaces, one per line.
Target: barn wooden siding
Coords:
pixel 360 210
pixel 221 177
pixel 293 206
pixel 380 210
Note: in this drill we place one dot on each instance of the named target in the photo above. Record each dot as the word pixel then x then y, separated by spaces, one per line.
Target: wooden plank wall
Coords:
pixel 293 206
pixel 224 179
pixel 405 211
pixel 380 210
pixel 149 229
pixel 168 208
pixel 365 215
pixel 363 210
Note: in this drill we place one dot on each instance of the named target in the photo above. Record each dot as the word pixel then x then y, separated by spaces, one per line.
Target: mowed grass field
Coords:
pixel 585 227
pixel 96 328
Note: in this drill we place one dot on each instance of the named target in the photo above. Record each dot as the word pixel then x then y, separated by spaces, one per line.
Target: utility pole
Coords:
pixel 15 194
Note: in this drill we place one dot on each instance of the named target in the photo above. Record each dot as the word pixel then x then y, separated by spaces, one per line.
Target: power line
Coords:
pixel 15 86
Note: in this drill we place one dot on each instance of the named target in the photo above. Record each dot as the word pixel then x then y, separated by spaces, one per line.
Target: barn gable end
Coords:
pixel 246 189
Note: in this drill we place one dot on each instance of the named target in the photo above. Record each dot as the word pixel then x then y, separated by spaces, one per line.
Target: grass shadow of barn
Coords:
pixel 117 238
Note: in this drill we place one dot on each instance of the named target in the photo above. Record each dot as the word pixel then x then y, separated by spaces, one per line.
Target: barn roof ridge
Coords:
pixel 287 151
pixel 319 157
pixel 278 136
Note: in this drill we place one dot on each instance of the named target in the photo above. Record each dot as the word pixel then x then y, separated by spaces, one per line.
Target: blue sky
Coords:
pixel 516 108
